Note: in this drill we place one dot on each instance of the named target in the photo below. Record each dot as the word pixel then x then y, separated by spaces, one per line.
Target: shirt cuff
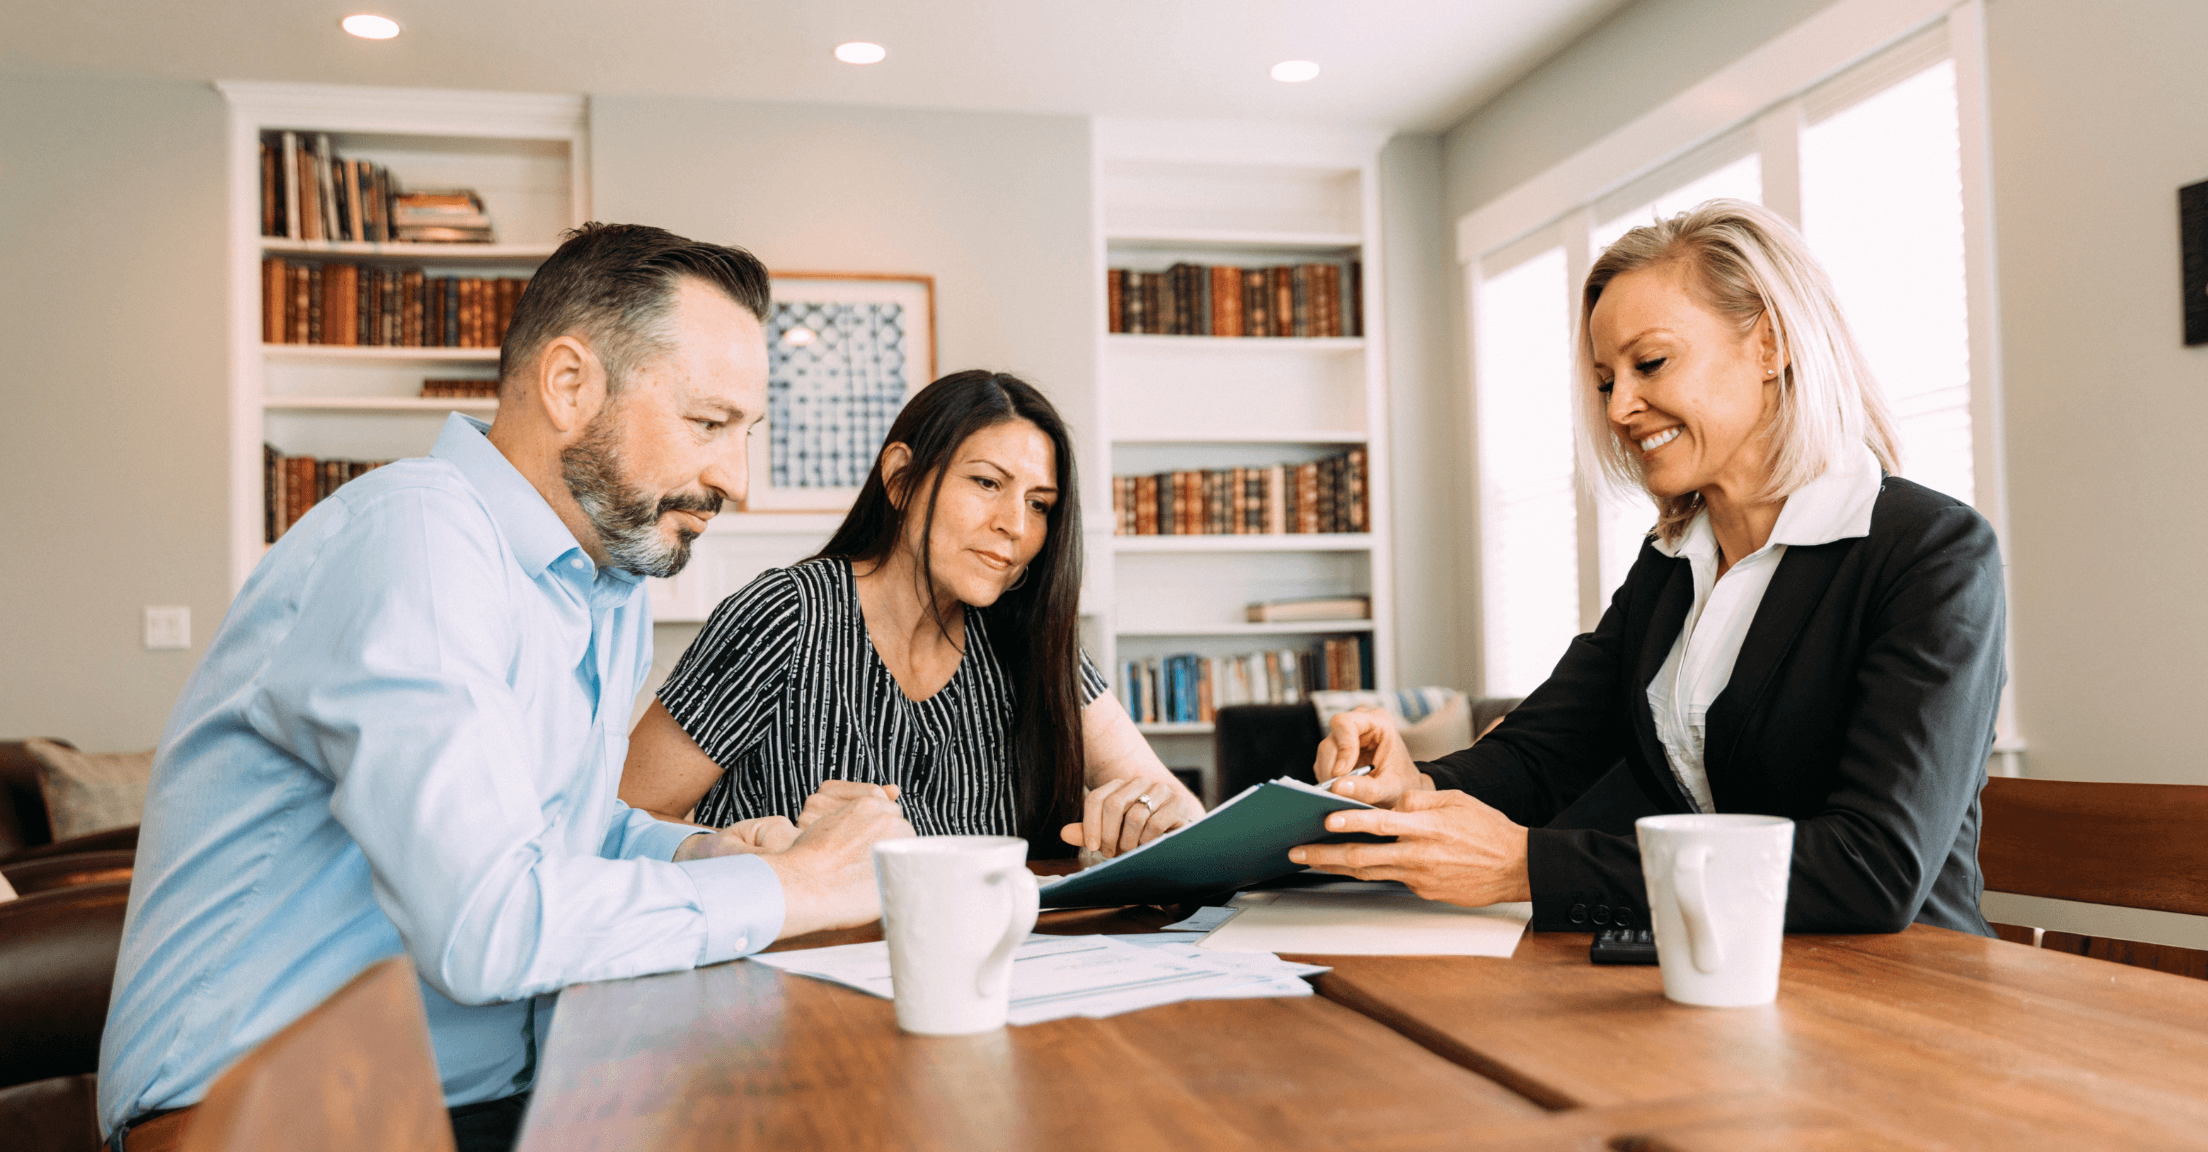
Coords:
pixel 742 900
pixel 658 840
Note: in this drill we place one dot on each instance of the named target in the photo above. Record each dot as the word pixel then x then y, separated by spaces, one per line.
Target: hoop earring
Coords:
pixel 1015 585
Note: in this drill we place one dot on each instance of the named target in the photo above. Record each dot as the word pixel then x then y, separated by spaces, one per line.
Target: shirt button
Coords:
pixel 580 563
pixel 1602 914
pixel 1578 914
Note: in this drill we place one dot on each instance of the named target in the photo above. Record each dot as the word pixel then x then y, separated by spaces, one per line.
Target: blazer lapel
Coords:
pixel 1794 592
pixel 1656 631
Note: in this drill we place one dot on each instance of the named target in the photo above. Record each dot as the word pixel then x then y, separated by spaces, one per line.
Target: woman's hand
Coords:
pixel 1361 737
pixel 1116 819
pixel 1448 846
pixel 835 794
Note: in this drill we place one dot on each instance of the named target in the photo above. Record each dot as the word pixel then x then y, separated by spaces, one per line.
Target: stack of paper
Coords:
pixel 1352 918
pixel 1059 976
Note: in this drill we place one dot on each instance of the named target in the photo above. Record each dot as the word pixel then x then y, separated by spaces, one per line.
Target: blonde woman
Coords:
pixel 1804 633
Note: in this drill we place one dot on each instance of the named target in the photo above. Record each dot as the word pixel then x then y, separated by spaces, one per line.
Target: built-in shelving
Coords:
pixel 1288 542
pixel 1290 628
pixel 1168 193
pixel 351 354
pixel 524 154
pixel 377 404
pixel 360 251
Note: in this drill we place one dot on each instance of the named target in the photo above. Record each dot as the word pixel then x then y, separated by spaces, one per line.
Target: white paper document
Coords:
pixel 1374 920
pixel 1059 976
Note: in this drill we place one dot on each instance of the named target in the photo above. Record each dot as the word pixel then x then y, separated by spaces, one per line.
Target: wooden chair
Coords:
pixel 356 1074
pixel 2126 845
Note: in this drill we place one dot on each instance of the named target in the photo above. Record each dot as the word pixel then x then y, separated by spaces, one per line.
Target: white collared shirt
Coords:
pixel 1834 506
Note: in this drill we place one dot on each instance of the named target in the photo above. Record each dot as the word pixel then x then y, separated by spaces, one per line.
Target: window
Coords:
pixel 1870 164
pixel 1882 205
pixel 1529 563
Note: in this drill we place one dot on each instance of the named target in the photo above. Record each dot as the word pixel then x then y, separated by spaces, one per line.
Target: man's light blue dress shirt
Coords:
pixel 406 737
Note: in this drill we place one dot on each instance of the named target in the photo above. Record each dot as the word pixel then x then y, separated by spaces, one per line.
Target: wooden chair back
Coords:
pixel 2125 845
pixel 355 1074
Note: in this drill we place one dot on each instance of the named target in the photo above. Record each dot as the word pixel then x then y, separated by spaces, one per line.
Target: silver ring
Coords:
pixel 1144 800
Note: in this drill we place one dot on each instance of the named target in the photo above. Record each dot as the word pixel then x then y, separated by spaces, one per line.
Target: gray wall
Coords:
pixel 1426 403
pixel 2098 118
pixel 996 207
pixel 114 445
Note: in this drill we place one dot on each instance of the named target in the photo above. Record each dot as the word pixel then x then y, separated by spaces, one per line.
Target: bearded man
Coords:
pixel 407 733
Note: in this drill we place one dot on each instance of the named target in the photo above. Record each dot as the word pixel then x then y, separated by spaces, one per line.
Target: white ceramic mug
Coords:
pixel 1717 900
pixel 954 908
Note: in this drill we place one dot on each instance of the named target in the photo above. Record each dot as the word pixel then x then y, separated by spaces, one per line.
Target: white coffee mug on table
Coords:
pixel 1717 900
pixel 953 910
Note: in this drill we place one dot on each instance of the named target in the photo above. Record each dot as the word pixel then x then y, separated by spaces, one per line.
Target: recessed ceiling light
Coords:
pixel 1294 71
pixel 371 27
pixel 860 52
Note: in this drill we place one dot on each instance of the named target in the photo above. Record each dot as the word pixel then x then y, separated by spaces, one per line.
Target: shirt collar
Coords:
pixel 531 528
pixel 1835 506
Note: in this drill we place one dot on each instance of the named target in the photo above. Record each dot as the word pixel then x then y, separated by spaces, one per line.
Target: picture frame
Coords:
pixel 844 350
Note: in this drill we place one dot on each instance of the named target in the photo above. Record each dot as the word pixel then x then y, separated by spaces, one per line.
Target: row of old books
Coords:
pixel 369 305
pixel 1190 689
pixel 309 192
pixel 1327 495
pixel 1299 300
pixel 292 484
pixel 459 389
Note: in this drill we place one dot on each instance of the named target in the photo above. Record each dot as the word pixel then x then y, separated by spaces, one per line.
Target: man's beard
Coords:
pixel 625 517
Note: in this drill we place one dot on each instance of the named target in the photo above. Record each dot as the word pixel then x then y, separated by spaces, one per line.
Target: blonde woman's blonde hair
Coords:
pixel 1745 263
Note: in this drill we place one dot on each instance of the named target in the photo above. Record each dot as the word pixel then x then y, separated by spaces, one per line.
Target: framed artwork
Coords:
pixel 2192 226
pixel 843 352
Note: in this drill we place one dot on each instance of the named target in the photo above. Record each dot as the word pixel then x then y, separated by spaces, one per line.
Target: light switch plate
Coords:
pixel 168 626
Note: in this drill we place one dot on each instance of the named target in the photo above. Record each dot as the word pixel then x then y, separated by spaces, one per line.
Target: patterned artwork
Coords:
pixel 836 378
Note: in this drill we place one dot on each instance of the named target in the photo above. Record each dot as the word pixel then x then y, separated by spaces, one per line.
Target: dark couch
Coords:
pixel 57 962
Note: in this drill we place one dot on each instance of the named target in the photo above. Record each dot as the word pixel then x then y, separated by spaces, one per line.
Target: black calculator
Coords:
pixel 1623 946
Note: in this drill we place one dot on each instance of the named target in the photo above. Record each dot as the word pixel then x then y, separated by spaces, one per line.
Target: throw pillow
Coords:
pixel 90 792
pixel 1444 730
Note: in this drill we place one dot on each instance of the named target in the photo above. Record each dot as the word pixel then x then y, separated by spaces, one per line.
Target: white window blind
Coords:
pixel 1529 569
pixel 1882 206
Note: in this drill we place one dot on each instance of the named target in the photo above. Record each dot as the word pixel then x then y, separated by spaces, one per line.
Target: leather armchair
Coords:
pixel 57 964
pixel 46 873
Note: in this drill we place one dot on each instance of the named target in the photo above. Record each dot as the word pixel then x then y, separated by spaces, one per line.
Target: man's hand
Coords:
pixel 1364 736
pixel 743 838
pixel 827 872
pixel 1448 847
pixel 1113 821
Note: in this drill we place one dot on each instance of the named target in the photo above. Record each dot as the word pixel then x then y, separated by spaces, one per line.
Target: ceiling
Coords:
pixel 1414 65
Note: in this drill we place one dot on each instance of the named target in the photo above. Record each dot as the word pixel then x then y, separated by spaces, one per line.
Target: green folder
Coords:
pixel 1242 842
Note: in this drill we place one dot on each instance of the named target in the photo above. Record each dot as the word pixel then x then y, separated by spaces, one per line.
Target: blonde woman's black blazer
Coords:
pixel 1862 707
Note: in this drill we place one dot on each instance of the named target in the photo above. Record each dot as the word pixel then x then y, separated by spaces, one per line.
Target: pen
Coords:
pixel 1364 771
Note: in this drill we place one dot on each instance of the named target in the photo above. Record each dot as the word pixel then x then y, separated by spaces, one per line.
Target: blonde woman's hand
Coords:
pixel 1360 738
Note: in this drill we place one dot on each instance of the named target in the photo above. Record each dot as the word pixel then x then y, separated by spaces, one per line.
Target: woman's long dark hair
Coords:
pixel 1036 625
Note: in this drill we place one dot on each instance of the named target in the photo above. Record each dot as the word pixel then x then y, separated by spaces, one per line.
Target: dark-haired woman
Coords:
pixel 930 647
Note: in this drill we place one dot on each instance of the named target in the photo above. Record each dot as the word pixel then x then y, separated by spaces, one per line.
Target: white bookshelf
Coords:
pixel 1248 195
pixel 527 155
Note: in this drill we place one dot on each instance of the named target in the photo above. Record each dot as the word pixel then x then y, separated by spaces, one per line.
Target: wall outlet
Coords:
pixel 168 626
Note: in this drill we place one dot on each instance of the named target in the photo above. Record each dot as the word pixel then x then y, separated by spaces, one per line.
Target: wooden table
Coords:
pixel 1925 1039
pixel 746 1056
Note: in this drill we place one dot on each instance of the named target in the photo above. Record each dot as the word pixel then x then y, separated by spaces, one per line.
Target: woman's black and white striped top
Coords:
pixel 783 690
